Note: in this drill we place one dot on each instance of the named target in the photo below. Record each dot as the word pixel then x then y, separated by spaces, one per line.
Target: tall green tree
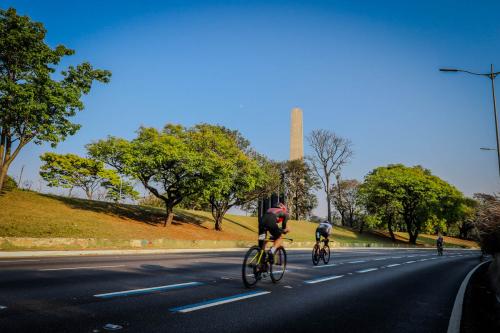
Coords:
pixel 412 194
pixel 236 177
pixel 166 163
pixel 72 171
pixel 34 106
pixel 300 183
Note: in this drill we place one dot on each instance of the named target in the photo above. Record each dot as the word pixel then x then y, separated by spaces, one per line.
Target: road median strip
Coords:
pixel 218 301
pixel 148 290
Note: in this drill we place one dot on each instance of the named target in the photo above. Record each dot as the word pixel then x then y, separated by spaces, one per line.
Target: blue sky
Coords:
pixel 366 70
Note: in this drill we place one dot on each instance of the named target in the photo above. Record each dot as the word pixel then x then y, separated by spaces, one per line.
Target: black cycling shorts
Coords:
pixel 321 232
pixel 268 224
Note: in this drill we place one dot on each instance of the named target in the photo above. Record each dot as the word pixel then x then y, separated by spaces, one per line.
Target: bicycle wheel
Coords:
pixel 326 254
pixel 251 267
pixel 278 268
pixel 315 254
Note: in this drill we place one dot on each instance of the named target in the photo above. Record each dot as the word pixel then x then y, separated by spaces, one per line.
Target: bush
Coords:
pixel 488 223
pixel 9 184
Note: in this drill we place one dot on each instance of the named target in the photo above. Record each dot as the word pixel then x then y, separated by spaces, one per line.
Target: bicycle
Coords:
pixel 256 264
pixel 322 253
pixel 440 250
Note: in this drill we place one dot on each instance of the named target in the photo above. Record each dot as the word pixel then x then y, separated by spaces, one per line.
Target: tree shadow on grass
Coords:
pixel 240 224
pixel 149 215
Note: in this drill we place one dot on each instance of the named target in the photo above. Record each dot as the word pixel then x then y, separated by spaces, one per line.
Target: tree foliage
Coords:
pixel 72 171
pixel 33 105
pixel 488 222
pixel 300 183
pixel 345 199
pixel 204 163
pixel 411 198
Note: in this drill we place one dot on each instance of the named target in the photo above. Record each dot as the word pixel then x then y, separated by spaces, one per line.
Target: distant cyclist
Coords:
pixel 439 244
pixel 269 223
pixel 324 229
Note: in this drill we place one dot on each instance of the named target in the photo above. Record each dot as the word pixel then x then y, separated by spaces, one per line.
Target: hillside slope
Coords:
pixel 30 214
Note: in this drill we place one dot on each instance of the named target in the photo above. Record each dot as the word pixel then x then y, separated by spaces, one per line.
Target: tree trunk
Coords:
pixel 170 216
pixel 391 232
pixel 361 226
pixel 329 208
pixel 413 237
pixel 218 222
pixel 3 174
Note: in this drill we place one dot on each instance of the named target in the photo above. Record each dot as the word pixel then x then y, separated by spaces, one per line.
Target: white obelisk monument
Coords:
pixel 296 135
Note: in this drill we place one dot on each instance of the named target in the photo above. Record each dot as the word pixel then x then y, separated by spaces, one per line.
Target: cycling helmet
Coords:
pixel 283 207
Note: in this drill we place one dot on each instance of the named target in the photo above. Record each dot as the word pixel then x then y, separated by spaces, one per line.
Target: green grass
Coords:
pixel 108 225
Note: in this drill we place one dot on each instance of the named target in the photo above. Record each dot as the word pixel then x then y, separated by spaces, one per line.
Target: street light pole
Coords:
pixel 491 75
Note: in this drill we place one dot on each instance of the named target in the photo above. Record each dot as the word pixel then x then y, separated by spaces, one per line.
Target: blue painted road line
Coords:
pixel 148 290
pixel 218 301
pixel 323 279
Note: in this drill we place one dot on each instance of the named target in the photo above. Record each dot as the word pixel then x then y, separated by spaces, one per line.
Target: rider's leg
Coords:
pixel 277 243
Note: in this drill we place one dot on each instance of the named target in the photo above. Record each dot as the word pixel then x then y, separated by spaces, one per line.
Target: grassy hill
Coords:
pixel 30 214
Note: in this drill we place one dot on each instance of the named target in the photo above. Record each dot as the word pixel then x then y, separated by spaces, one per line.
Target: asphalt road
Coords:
pixel 359 291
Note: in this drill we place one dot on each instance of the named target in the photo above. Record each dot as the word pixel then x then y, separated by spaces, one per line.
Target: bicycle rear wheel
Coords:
pixel 278 268
pixel 315 255
pixel 251 267
pixel 326 254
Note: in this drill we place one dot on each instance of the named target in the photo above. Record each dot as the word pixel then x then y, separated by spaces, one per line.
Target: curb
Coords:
pixel 456 313
pixel 33 254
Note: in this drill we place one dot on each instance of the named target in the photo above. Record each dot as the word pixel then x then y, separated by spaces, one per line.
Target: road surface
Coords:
pixel 370 290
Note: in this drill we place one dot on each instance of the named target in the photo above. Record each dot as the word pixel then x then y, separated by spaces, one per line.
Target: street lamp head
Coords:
pixel 448 70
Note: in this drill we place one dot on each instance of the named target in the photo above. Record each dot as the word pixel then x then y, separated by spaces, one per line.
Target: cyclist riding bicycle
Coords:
pixel 269 223
pixel 439 242
pixel 324 229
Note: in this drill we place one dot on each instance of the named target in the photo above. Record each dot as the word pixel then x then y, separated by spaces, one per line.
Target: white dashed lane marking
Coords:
pixel 148 290
pixel 323 279
pixel 367 270
pixel 75 268
pixel 218 301
pixel 393 265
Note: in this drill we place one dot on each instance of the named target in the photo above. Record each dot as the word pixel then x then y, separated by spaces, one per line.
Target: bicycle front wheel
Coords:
pixel 278 266
pixel 251 266
pixel 315 255
pixel 326 254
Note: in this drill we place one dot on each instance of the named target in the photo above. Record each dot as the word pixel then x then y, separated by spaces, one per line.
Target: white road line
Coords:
pixel 148 290
pixel 218 301
pixel 367 270
pixel 433 258
pixel 22 260
pixel 356 262
pixel 2 307
pixel 396 257
pixel 393 265
pixel 322 266
pixel 74 268
pixel 327 278
pixel 380 259
pixel 410 262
